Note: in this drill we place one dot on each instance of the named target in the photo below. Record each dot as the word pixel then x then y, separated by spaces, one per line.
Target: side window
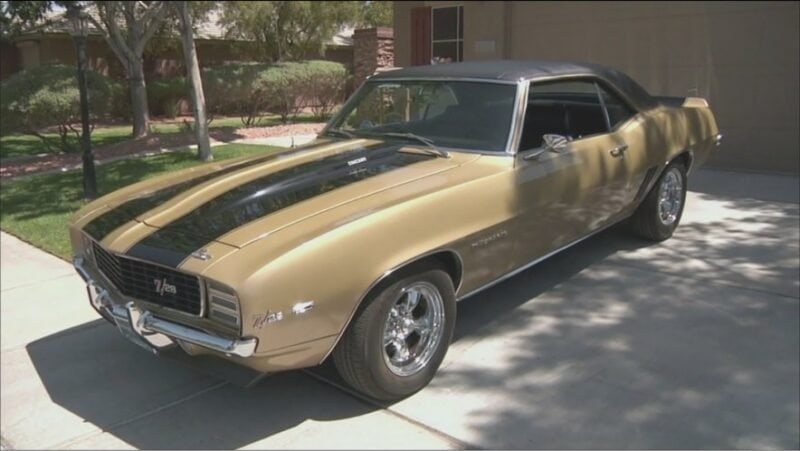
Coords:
pixel 568 108
pixel 618 111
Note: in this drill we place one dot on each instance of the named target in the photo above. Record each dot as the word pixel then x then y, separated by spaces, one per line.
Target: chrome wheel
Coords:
pixel 413 329
pixel 670 196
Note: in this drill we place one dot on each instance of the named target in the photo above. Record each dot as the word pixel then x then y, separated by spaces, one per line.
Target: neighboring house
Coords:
pixel 51 43
pixel 741 56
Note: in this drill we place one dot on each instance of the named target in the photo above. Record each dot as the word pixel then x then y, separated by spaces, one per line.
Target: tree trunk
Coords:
pixel 196 83
pixel 141 115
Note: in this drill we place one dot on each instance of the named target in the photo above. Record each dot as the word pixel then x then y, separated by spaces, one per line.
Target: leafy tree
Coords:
pixel 17 15
pixel 164 41
pixel 193 74
pixel 127 27
pixel 377 14
pixel 288 30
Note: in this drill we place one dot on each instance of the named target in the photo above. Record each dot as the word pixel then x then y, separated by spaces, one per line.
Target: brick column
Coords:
pixel 373 50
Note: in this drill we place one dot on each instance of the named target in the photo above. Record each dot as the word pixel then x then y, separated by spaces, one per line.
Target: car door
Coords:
pixel 635 165
pixel 567 193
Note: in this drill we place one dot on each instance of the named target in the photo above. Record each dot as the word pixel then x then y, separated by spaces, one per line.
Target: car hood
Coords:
pixel 244 201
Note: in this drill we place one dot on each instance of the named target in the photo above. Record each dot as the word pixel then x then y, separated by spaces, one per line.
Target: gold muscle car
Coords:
pixel 431 184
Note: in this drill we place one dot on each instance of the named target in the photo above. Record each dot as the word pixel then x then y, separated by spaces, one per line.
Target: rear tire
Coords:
pixel 398 339
pixel 660 212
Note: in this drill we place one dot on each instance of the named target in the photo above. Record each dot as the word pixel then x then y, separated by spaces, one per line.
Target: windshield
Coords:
pixel 456 114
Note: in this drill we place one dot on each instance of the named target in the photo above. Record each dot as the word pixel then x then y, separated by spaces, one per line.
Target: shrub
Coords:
pixel 121 102
pixel 247 90
pixel 232 90
pixel 290 87
pixel 48 96
pixel 282 90
pixel 164 95
pixel 325 83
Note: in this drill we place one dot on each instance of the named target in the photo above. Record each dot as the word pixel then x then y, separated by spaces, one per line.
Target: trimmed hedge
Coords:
pixel 48 96
pixel 249 90
pixel 325 83
pixel 232 90
pixel 164 96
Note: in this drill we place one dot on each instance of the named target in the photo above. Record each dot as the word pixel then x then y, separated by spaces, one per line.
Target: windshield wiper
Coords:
pixel 427 141
pixel 339 132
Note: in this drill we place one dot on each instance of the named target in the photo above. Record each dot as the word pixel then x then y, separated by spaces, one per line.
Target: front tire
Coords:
pixel 660 212
pixel 397 341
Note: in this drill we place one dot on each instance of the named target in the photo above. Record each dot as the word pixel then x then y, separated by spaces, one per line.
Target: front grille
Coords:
pixel 149 282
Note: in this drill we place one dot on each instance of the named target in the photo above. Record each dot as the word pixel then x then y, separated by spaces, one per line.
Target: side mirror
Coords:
pixel 551 143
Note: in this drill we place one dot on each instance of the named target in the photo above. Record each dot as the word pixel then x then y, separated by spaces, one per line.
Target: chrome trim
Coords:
pixel 77 262
pixel 203 293
pixel 202 254
pixel 518 121
pixel 670 197
pixel 302 307
pixel 602 104
pixel 242 348
pixel 514 272
pixel 217 295
pixel 593 77
pixel 416 259
pixel 405 357
pixel 718 139
pixel 534 80
pixel 470 79
pixel 159 332
pixel 505 152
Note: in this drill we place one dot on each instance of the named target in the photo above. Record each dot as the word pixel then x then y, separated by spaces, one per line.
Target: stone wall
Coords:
pixel 373 50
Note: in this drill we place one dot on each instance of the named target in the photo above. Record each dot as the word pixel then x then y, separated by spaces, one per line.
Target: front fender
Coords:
pixel 335 258
pixel 334 271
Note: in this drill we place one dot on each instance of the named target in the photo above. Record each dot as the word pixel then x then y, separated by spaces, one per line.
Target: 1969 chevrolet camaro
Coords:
pixel 431 184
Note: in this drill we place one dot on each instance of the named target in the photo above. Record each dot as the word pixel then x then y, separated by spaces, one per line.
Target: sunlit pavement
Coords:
pixel 616 343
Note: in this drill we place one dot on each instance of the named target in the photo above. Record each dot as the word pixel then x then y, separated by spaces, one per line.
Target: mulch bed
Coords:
pixel 25 166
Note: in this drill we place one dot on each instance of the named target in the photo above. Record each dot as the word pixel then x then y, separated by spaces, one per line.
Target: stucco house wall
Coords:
pixel 744 57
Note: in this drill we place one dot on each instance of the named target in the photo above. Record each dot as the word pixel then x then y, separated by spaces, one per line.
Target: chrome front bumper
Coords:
pixel 153 333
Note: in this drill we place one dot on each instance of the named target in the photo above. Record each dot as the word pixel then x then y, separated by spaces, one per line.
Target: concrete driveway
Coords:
pixel 616 343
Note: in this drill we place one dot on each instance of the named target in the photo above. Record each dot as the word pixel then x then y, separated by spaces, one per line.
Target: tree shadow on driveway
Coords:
pixel 688 344
pixel 597 347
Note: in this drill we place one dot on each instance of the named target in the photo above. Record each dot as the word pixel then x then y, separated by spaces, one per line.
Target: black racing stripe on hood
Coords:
pixel 173 243
pixel 101 226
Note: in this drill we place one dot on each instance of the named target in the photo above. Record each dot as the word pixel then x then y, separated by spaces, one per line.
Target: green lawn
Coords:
pixel 37 209
pixel 27 145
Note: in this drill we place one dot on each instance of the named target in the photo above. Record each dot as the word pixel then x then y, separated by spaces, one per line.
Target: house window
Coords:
pixel 447 37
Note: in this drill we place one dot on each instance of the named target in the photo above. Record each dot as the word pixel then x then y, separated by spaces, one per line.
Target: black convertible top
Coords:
pixel 513 70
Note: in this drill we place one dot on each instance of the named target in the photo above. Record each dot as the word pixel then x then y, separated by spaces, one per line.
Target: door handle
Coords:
pixel 618 151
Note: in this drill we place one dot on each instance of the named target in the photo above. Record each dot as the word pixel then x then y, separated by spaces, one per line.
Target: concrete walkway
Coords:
pixel 617 343
pixel 280 141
